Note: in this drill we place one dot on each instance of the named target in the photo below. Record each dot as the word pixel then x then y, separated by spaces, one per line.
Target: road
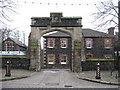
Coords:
pixel 53 79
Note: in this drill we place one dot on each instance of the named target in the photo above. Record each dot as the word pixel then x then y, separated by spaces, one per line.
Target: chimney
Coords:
pixel 111 30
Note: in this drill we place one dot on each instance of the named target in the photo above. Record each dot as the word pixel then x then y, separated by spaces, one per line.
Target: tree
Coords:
pixel 107 14
pixel 6 7
pixel 12 33
pixel 6 32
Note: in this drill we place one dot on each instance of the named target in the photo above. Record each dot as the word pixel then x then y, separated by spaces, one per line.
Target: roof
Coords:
pixel 86 33
pixel 57 34
pixel 92 33
pixel 17 42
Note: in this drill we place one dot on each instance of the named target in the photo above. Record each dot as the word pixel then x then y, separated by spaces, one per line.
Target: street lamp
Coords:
pixel 98 72
pixel 8 71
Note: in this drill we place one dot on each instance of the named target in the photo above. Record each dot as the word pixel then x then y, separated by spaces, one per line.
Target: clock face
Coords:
pixel 55 19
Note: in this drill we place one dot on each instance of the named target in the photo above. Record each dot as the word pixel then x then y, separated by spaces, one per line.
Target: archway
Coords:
pixel 70 26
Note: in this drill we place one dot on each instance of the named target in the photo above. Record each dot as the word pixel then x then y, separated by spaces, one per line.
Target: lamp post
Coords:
pixel 8 71
pixel 98 72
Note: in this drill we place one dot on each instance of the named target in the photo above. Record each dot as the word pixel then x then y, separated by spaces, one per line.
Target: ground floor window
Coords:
pixel 51 58
pixel 63 59
pixel 108 56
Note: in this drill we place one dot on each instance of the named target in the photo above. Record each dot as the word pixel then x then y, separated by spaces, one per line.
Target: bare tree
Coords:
pixel 6 32
pixel 107 14
pixel 6 7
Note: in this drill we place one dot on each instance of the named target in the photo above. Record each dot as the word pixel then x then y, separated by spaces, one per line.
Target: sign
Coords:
pixel 77 45
pixel 34 43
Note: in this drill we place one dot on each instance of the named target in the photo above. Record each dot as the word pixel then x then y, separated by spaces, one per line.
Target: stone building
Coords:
pixel 56 22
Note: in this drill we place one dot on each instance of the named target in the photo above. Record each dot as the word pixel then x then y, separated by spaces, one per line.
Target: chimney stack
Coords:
pixel 111 30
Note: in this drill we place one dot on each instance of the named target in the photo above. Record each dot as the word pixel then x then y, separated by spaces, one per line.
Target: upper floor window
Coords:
pixel 51 42
pixel 89 42
pixel 63 59
pixel 8 46
pixel 107 43
pixel 64 42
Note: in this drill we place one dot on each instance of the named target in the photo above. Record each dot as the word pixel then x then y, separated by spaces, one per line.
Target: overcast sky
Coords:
pixel 42 8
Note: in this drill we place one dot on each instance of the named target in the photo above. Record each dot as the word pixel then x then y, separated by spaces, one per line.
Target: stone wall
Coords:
pixel 17 63
pixel 92 65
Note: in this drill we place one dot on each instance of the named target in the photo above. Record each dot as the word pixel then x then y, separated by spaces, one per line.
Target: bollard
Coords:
pixel 8 71
pixel 98 72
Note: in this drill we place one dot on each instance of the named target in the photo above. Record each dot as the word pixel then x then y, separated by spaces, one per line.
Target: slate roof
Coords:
pixel 57 34
pixel 17 42
pixel 86 33
pixel 92 33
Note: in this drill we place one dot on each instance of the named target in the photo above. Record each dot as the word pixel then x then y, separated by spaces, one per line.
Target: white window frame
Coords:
pixel 89 43
pixel 49 59
pixel 53 41
pixel 61 59
pixel 109 42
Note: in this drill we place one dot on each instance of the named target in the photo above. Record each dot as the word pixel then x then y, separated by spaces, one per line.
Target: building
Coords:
pixel 12 46
pixel 99 45
pixel 58 50
pixel 15 52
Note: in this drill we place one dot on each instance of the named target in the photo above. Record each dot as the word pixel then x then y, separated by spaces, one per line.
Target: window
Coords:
pixel 108 43
pixel 89 55
pixel 63 59
pixel 51 58
pixel 51 42
pixel 108 56
pixel 89 42
pixel 64 42
pixel 8 46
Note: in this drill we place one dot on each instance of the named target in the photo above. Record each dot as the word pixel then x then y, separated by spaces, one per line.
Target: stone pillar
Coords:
pixel 35 49
pixel 77 47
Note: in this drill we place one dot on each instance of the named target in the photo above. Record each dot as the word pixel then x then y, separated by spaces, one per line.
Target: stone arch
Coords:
pixel 56 29
pixel 68 25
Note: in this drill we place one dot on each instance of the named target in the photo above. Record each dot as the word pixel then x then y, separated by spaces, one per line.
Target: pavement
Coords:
pixel 106 76
pixel 16 74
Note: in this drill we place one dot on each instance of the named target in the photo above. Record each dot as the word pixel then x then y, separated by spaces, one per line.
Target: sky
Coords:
pixel 26 9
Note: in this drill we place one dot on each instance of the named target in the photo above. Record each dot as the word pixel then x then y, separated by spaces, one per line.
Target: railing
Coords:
pixel 12 53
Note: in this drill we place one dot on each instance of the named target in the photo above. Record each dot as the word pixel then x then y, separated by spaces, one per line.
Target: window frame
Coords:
pixel 48 44
pixel 105 43
pixel 87 44
pixel 89 55
pixel 61 44
pixel 10 46
pixel 61 59
pixel 108 56
pixel 49 59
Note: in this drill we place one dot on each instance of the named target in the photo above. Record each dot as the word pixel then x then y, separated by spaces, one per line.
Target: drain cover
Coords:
pixel 67 85
pixel 52 84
